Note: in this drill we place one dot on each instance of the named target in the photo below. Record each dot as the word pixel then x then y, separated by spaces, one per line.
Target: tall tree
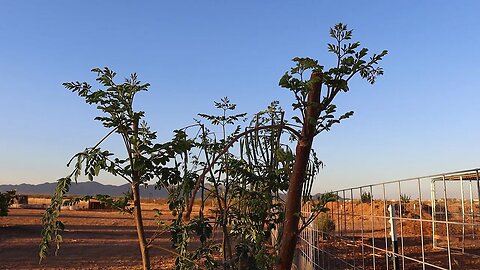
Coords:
pixel 144 160
pixel 314 99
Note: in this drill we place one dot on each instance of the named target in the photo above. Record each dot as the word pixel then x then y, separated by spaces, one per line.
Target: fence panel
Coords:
pixel 429 222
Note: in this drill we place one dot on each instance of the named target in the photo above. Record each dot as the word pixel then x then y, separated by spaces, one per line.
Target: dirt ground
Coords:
pixel 362 234
pixel 106 239
pixel 92 240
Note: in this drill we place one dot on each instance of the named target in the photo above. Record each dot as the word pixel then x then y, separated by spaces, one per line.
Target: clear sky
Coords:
pixel 420 118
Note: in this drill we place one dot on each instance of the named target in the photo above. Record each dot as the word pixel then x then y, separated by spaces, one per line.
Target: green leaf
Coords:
pixel 138 164
pixel 97 169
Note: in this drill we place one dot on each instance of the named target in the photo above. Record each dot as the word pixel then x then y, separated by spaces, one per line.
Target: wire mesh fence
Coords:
pixel 429 222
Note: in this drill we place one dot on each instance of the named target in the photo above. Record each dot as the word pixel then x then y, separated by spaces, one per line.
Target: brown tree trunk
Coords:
pixel 142 240
pixel 137 210
pixel 294 194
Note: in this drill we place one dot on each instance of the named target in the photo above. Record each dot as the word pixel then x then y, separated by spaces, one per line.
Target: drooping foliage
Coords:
pixel 247 182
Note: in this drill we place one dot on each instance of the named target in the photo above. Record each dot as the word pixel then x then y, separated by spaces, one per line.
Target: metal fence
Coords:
pixel 429 222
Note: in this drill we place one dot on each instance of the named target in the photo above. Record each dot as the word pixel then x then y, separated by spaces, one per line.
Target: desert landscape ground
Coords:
pixel 93 239
pixel 362 234
pixel 106 239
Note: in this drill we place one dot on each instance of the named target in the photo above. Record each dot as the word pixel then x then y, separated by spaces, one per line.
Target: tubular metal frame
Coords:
pixel 439 232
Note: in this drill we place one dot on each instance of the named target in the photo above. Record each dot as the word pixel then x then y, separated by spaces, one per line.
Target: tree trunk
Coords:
pixel 293 205
pixel 137 210
pixel 227 246
pixel 294 194
pixel 139 225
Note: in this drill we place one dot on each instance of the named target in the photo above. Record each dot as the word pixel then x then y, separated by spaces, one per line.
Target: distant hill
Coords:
pixel 84 188
pixel 92 188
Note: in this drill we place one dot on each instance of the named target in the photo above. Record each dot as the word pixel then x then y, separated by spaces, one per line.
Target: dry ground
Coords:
pixel 92 240
pixel 354 220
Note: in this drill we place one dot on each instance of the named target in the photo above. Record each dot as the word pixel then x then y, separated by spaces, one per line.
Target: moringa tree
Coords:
pixel 314 99
pixel 144 159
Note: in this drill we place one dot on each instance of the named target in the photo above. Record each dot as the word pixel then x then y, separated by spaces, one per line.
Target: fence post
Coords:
pixel 434 210
pixel 393 235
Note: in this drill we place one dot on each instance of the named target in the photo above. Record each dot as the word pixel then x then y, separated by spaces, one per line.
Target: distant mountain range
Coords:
pixel 91 188
pixel 84 188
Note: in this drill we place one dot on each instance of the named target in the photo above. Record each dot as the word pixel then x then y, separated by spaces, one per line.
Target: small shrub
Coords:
pixel 325 224
pixel 6 199
pixel 404 198
pixel 366 197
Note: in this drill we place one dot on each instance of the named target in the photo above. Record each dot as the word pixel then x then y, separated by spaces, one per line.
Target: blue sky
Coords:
pixel 420 118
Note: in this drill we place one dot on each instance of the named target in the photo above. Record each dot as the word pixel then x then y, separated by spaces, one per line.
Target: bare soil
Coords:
pixel 104 239
pixel 362 236
pixel 92 240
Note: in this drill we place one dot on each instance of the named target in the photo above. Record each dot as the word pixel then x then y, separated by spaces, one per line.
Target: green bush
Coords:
pixel 366 197
pixel 325 224
pixel 404 198
pixel 6 199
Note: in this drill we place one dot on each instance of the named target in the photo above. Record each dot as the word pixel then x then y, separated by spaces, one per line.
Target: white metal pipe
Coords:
pixel 393 236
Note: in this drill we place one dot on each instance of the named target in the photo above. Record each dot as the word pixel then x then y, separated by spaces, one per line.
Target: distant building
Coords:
pixel 96 204
pixel 20 199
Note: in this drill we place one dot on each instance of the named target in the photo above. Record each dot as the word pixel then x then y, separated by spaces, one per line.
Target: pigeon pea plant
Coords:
pixel 246 183
pixel 244 186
